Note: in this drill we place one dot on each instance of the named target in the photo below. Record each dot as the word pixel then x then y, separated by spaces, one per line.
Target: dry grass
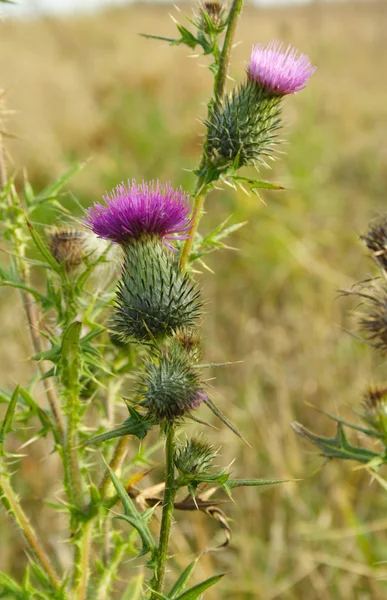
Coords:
pixel 91 87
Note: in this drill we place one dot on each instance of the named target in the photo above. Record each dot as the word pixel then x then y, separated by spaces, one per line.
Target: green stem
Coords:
pixel 221 76
pixel 200 197
pixel 81 561
pixel 157 582
pixel 202 186
pixel 70 453
pixel 12 506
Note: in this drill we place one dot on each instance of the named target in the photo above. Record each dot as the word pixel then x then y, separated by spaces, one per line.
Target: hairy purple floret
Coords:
pixel 279 70
pixel 132 211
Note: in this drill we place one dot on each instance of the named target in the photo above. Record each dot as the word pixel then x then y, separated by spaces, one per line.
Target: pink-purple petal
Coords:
pixel 279 70
pixel 131 211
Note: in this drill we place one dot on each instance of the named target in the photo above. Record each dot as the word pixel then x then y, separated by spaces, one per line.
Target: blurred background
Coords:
pixel 84 85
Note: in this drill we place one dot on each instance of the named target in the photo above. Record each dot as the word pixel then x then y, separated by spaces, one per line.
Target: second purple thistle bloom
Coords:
pixel 132 211
pixel 279 70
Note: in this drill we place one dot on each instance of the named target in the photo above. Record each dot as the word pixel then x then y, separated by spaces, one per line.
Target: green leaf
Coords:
pixel 230 484
pixel 197 590
pixel 256 183
pixel 338 446
pixel 132 515
pixel 9 415
pixel 187 37
pixel 365 430
pixel 160 37
pixel 212 406
pixel 52 191
pixel 183 579
pixel 33 405
pixel 44 250
pixel 8 584
pixel 136 425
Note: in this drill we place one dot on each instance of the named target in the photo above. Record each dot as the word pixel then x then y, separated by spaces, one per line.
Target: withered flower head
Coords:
pixel 215 10
pixel 67 246
pixel 373 319
pixel 376 241
pixel 375 408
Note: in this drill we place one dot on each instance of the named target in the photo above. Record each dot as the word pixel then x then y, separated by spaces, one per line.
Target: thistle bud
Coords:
pixel 375 409
pixel 67 246
pixel 243 129
pixel 170 388
pixel 376 241
pixel 154 296
pixel 215 11
pixel 190 340
pixel 194 458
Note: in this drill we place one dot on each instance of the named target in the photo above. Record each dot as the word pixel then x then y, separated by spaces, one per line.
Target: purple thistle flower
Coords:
pixel 279 70
pixel 132 210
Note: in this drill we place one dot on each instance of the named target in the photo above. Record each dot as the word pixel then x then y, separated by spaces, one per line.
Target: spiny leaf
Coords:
pixel 51 192
pixel 212 406
pixel 136 425
pixel 135 518
pixel 197 590
pixel 183 579
pixel 7 423
pixel 43 249
pixel 338 446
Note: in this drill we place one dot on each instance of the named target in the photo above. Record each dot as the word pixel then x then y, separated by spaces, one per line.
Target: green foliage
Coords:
pixel 338 446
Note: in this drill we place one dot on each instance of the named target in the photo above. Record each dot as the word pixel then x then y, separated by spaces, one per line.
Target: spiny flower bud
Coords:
pixel 190 340
pixel 243 129
pixel 194 458
pixel 132 211
pixel 215 11
pixel 170 388
pixel 376 241
pixel 279 70
pixel 67 246
pixel 154 296
pixel 375 408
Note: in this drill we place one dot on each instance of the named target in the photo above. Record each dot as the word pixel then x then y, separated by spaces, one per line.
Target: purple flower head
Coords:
pixel 131 211
pixel 279 70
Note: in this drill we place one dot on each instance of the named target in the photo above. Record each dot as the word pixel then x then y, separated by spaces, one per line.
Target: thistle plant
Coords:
pixel 371 323
pixel 115 321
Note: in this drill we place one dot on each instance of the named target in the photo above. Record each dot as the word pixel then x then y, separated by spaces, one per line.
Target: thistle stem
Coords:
pixel 82 570
pixel 157 582
pixel 197 215
pixel 221 76
pixel 202 187
pixel 12 506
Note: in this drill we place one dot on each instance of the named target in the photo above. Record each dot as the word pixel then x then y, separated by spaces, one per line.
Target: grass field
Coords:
pixel 90 87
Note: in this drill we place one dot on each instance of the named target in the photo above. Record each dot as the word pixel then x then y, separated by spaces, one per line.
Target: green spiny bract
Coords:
pixel 169 386
pixel 242 129
pixel 194 458
pixel 154 297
